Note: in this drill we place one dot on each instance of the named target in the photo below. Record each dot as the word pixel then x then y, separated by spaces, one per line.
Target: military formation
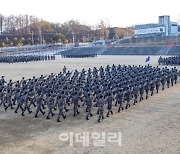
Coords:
pixel 25 58
pixel 175 60
pixel 97 91
pixel 78 55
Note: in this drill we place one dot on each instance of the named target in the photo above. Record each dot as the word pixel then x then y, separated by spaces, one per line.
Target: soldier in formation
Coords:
pixel 19 59
pixel 175 60
pixel 95 89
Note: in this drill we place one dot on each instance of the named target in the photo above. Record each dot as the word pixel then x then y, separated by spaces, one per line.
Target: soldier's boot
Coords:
pixel 5 108
pixel 78 111
pixel 107 114
pixel 53 114
pixel 119 110
pixel 134 102
pixel 64 116
pixel 66 110
pixel 99 121
pixel 36 116
pixel 74 113
pixel 126 106
pixel 146 96
pixel 91 114
pixel 30 111
pixel 87 118
pixel 112 112
pixel 34 104
pixel 15 111
pixel 58 120
pixel 116 104
pixel 162 87
pixel 42 111
pixel 22 114
pixel 47 117
pixel 12 107
pixel 95 105
pixel 102 117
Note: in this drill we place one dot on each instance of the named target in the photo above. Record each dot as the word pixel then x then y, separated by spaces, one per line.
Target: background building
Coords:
pixel 164 28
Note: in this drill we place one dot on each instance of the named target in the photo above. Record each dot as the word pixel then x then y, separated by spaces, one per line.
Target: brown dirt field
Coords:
pixel 152 126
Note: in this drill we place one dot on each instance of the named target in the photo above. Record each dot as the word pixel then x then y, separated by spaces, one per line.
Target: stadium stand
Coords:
pixel 148 50
pixel 164 50
pixel 175 50
pixel 83 50
pixel 132 51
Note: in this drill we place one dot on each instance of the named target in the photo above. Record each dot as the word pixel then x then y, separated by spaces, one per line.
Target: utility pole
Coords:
pixel 43 40
pixel 40 35
pixel 73 37
pixel 32 38
pixel 88 38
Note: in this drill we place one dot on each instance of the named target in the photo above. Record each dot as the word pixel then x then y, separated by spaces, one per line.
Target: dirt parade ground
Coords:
pixel 152 126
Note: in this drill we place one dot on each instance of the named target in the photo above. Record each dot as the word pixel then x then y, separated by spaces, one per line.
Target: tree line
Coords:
pixel 26 30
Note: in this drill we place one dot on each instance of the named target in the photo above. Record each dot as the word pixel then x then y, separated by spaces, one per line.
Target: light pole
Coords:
pixel 32 38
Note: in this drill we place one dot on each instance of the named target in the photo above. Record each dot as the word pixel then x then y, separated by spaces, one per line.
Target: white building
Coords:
pixel 164 28
pixel 174 28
